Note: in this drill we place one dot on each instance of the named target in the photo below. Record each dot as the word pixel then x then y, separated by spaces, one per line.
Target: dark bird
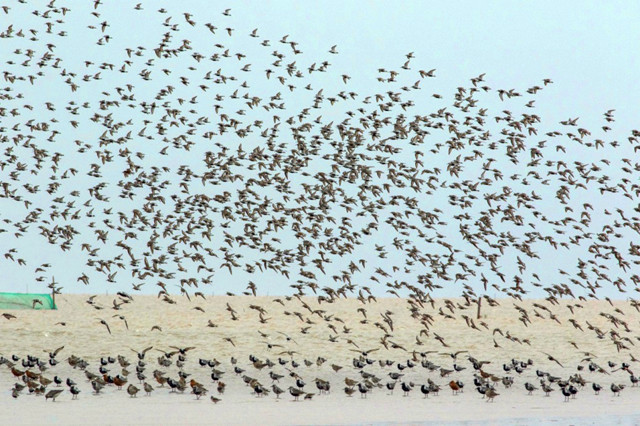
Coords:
pixel 295 393
pixel 596 388
pixel 74 391
pixel 103 322
pixel 132 391
pixel 406 388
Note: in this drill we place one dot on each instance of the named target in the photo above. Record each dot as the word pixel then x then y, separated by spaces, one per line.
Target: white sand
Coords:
pixel 183 326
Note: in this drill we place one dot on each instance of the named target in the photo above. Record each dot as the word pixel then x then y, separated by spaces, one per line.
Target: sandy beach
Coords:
pixel 33 332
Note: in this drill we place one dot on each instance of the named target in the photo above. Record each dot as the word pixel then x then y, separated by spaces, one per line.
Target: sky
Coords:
pixel 588 49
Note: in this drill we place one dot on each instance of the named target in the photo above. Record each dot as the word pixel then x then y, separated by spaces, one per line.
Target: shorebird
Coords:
pixel 295 392
pixel 425 389
pixel 199 390
pixel 491 394
pixel 74 391
pixel 596 388
pixel 97 386
pixel 363 390
pixel 551 358
pixel 143 353
pixel 350 382
pixel 406 388
pixel 482 389
pixel 323 386
pixel 119 381
pixel 529 387
pixel 103 322
pixel 54 353
pixel 132 391
pixel 53 394
pixel 147 388
pixel 390 386
pixel 275 377
pixel 573 391
pixel 276 390
pixel 616 389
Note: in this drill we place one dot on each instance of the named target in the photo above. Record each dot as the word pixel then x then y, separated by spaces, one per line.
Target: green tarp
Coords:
pixel 26 301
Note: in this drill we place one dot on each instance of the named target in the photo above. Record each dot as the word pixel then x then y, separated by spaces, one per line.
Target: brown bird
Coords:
pixel 53 394
pixel 132 390
pixel 147 388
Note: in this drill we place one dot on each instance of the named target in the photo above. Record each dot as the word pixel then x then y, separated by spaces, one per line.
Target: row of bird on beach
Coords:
pixel 32 371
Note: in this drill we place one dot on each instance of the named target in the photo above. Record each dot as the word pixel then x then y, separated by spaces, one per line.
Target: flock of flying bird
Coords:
pixel 184 163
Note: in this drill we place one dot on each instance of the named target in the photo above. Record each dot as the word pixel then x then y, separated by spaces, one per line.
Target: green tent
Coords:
pixel 35 301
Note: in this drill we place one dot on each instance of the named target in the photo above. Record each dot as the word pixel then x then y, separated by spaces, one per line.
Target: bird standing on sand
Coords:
pixel 455 388
pixel 147 388
pixel 295 392
pixel 132 391
pixel 97 386
pixel 491 394
pixel 74 391
pixel 529 387
pixel 276 390
pixel 425 389
pixel 53 394
pixel 363 390
pixel 406 388
pixel 616 389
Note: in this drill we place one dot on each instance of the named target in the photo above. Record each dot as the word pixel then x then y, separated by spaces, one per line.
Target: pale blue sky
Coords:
pixel 589 50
